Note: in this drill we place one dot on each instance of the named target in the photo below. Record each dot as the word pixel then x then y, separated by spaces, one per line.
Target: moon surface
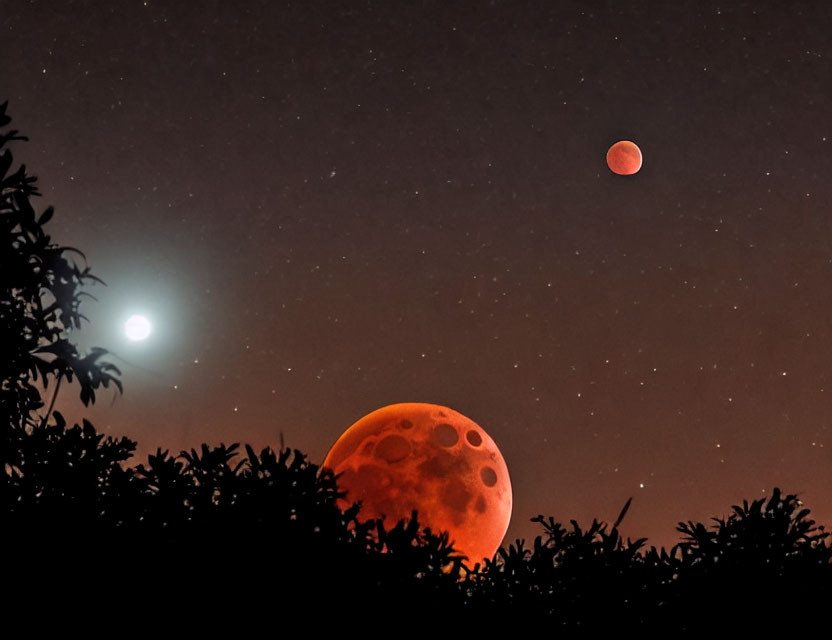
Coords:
pixel 624 158
pixel 429 458
pixel 137 328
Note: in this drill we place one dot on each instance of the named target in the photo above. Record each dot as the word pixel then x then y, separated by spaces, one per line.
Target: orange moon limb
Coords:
pixel 624 158
pixel 432 459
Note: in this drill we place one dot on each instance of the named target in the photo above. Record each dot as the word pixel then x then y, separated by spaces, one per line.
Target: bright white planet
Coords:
pixel 137 328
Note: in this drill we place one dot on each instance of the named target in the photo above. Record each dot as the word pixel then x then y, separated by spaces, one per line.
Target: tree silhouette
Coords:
pixel 40 297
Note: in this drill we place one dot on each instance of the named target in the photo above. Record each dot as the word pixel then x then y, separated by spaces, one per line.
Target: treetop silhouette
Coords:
pixel 40 299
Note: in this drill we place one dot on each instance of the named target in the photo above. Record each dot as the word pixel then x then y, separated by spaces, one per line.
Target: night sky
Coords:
pixel 328 207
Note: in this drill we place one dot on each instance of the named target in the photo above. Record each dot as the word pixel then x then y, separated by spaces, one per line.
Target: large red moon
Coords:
pixel 429 458
pixel 624 158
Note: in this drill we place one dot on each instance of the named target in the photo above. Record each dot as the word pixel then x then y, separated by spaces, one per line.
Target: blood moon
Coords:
pixel 429 458
pixel 624 158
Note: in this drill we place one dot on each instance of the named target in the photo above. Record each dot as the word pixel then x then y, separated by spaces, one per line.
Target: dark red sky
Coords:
pixel 329 207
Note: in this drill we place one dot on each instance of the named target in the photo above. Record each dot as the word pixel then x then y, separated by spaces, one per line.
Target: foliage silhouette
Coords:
pixel 766 551
pixel 40 299
pixel 49 469
pixel 775 534
pixel 568 570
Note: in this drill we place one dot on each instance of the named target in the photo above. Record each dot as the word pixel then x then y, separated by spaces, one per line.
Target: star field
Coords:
pixel 327 207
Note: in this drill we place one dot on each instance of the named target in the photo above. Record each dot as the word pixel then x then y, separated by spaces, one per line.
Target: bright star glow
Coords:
pixel 137 328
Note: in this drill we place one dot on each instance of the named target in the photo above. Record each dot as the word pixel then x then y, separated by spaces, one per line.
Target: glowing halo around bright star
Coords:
pixel 137 328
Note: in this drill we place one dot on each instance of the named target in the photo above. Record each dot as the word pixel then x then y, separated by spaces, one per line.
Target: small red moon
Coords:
pixel 429 458
pixel 624 158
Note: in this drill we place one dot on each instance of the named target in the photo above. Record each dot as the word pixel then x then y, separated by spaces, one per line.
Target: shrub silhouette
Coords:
pixel 775 535
pixel 568 574
pixel 767 551
pixel 766 554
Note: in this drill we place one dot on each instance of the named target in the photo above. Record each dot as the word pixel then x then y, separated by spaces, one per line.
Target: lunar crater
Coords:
pixel 444 435
pixel 489 476
pixel 393 448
